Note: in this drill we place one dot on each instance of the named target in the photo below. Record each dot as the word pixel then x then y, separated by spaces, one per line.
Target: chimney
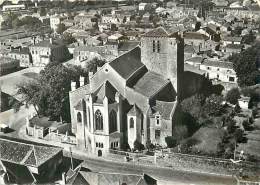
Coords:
pixel 73 86
pixel 81 81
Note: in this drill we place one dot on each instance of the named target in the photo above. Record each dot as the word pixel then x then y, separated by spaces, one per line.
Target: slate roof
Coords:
pixel 218 64
pixel 158 32
pixel 164 108
pixel 150 83
pixel 126 64
pixel 107 90
pixel 26 154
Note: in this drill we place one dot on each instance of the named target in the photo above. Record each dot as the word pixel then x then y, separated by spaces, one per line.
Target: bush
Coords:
pixel 233 95
pixel 170 141
pixel 149 145
pixel 138 146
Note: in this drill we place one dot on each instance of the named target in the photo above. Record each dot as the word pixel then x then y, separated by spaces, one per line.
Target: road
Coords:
pixel 165 176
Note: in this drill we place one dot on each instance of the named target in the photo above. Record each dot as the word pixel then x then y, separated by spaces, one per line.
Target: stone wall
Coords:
pixel 206 164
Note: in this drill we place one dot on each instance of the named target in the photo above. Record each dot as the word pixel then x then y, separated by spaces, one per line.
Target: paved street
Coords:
pixel 164 175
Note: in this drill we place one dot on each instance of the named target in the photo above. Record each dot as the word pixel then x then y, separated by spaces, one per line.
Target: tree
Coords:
pixel 193 105
pixel 170 141
pixel 68 38
pixel 213 105
pixel 245 65
pixel 233 95
pixel 249 38
pixel 60 28
pixel 43 11
pixel 49 94
pixel 197 26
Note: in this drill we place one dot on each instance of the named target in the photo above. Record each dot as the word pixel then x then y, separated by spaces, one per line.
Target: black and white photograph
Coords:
pixel 129 92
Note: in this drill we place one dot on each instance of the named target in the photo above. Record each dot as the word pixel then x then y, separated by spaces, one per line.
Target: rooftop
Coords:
pixel 150 83
pixel 158 32
pixel 217 63
pixel 26 154
pixel 126 64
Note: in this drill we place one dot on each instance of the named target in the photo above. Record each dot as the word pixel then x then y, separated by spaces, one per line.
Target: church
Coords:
pixel 133 97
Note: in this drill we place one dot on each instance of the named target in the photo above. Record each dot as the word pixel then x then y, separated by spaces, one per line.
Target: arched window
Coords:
pixel 132 122
pixel 99 120
pixel 112 121
pixel 79 117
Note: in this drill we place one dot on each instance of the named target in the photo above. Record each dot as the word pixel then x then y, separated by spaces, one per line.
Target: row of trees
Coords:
pixel 13 21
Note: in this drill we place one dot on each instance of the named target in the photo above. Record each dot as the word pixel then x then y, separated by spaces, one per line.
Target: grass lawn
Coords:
pixel 208 139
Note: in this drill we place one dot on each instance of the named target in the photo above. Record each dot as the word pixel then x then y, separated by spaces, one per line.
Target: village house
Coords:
pixel 231 40
pixel 195 61
pixel 8 65
pixel 23 55
pixel 86 176
pixel 30 163
pixel 196 39
pixel 47 51
pixel 86 53
pixel 55 21
pixel 220 71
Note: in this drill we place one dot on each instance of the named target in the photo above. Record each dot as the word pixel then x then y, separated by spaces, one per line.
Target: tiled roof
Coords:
pixel 158 32
pixel 164 108
pixel 195 35
pixel 217 63
pixel 126 64
pixel 150 83
pixel 232 39
pixel 190 68
pixel 26 154
pixel 195 60
pixel 102 178
pixel 22 51
pixel 189 49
